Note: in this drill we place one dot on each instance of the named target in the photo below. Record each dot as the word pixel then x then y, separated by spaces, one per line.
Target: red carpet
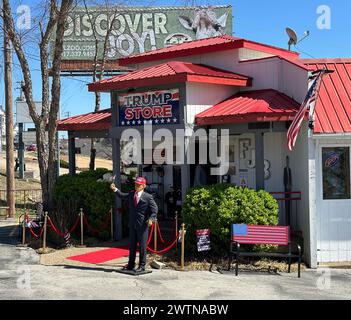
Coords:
pixel 102 255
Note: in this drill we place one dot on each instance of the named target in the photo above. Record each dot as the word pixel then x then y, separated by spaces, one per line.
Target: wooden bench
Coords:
pixel 261 235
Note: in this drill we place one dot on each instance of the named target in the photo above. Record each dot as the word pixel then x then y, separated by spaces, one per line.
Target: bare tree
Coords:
pixel 52 23
pixel 100 63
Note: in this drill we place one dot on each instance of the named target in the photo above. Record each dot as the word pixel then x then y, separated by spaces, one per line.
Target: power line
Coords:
pixel 307 54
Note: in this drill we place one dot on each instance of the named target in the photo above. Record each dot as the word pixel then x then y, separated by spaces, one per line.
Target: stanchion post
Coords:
pixel 111 215
pixel 155 235
pixel 176 230
pixel 81 227
pixel 45 226
pixel 24 229
pixel 182 253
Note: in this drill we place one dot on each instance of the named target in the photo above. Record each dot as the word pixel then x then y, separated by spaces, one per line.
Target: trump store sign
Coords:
pixel 151 107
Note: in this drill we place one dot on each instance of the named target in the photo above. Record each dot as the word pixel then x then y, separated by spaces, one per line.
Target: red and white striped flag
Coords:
pixel 311 96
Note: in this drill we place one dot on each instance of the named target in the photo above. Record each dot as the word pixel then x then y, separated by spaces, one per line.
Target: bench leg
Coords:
pixel 230 260
pixel 237 258
pixel 289 259
pixel 299 263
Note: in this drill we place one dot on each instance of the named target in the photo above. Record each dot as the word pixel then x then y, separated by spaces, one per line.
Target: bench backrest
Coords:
pixel 252 234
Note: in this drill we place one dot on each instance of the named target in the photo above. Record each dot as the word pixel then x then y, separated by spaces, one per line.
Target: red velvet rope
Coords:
pixel 30 228
pixel 150 234
pixel 62 234
pixel 36 235
pixel 165 249
pixel 104 225
pixel 159 233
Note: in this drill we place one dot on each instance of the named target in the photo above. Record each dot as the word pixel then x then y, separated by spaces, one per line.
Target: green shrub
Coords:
pixel 86 192
pixel 219 206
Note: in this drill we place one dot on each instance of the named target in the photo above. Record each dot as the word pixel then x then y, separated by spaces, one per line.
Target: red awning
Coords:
pixel 171 72
pixel 100 120
pixel 202 46
pixel 251 106
pixel 333 108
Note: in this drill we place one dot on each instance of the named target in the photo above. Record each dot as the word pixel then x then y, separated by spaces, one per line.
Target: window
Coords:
pixel 336 173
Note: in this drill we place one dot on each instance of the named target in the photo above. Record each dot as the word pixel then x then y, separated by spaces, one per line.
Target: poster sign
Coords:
pixel 153 107
pixel 244 179
pixel 133 30
pixel 203 240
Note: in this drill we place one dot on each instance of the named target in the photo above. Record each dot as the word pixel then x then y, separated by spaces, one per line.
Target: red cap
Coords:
pixel 140 180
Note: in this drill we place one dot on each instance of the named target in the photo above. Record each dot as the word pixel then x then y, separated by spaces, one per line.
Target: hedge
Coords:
pixel 219 206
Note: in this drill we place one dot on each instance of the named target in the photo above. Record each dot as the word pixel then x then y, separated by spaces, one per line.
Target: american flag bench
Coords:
pixel 259 235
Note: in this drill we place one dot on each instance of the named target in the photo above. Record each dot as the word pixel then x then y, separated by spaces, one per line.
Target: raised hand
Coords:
pixel 113 187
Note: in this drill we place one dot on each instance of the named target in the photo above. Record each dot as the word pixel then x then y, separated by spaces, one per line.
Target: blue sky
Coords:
pixel 258 20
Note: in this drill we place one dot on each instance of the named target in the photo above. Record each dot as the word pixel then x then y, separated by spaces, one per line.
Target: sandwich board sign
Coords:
pixel 203 240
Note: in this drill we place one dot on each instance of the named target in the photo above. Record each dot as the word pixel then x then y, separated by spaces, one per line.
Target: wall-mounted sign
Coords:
pixel 153 107
pixel 203 240
pixel 138 29
pixel 332 160
pixel 244 177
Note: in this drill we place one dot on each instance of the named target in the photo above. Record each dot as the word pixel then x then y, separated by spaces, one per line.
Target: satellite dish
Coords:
pixel 292 37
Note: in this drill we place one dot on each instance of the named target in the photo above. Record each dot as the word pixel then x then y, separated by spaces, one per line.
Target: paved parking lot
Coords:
pixel 22 277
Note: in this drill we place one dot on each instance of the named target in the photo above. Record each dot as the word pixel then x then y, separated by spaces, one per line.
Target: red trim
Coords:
pixel 84 126
pixel 229 43
pixel 222 81
pixel 248 44
pixel 242 119
pixel 154 56
pixel 326 60
pixel 178 78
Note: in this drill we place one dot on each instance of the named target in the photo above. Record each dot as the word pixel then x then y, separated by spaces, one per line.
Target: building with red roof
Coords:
pixel 253 91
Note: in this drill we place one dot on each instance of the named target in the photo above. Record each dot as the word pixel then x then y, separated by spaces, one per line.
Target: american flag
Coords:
pixel 253 234
pixel 311 97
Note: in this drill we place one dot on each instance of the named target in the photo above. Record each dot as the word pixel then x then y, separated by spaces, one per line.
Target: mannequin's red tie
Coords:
pixel 135 199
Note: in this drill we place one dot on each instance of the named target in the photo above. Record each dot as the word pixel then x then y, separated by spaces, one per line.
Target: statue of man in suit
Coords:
pixel 142 212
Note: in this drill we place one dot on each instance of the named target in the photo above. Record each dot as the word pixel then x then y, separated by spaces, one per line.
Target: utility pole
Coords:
pixel 10 174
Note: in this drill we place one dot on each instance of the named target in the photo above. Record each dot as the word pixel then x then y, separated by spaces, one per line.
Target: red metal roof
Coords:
pixel 251 106
pixel 333 108
pixel 171 72
pixel 100 120
pixel 202 46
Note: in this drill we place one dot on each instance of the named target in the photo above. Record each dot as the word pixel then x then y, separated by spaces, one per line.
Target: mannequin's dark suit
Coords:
pixel 138 224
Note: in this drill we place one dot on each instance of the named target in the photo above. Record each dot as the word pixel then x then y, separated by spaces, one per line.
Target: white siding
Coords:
pixel 293 81
pixel 333 216
pixel 200 97
pixel 248 54
pixel 277 74
pixel 300 173
pixel 223 59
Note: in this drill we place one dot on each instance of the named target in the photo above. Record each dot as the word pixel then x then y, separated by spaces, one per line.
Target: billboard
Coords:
pixel 152 107
pixel 133 30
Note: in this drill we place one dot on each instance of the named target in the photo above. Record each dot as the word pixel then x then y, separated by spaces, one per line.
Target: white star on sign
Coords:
pixel 133 122
pixel 168 120
pixel 174 120
pixel 122 123
pixel 162 120
pixel 128 122
pixel 156 121
pixel 139 121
